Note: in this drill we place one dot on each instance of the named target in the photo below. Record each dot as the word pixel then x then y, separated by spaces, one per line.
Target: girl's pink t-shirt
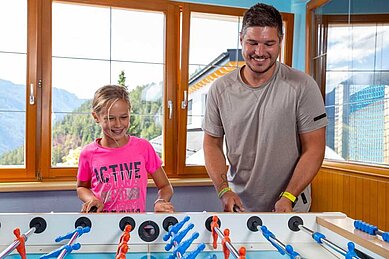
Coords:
pixel 118 176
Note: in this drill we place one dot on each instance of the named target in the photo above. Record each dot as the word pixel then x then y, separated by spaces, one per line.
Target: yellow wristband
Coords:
pixel 289 196
pixel 223 191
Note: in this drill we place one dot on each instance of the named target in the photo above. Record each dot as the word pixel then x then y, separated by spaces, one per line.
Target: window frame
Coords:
pixel 28 173
pixel 288 18
pixel 176 59
pixel 63 174
pixel 319 73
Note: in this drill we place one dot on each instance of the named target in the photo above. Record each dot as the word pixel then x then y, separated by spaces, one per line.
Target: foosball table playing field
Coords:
pixel 189 235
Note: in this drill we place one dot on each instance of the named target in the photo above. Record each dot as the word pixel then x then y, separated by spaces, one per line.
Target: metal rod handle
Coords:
pixel 15 244
pixel 71 241
pixel 228 244
pixel 324 240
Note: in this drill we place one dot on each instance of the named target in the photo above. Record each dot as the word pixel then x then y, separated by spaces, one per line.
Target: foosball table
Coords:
pixel 189 235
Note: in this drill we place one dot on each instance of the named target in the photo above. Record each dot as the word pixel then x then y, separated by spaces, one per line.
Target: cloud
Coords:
pixel 354 46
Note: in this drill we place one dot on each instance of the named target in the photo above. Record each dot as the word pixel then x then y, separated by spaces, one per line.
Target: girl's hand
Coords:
pixel 160 205
pixel 94 202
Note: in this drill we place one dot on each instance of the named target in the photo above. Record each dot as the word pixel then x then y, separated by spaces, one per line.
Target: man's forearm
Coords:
pixel 215 162
pixel 306 169
pixel 217 170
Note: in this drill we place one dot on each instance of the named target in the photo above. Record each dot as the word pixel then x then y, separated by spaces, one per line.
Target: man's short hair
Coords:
pixel 262 15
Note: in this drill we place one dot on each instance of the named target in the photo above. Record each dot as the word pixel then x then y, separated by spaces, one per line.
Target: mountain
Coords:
pixel 13 108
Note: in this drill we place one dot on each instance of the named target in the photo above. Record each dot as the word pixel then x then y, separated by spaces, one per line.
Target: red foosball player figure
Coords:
pixel 226 239
pixel 122 251
pixel 123 246
pixel 21 248
pixel 126 234
pixel 214 224
pixel 242 253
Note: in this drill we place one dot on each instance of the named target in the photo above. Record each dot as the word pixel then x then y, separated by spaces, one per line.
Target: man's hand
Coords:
pixel 283 205
pixel 231 202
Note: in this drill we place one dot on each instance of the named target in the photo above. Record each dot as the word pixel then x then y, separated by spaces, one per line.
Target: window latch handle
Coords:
pixel 170 107
pixel 184 103
pixel 32 97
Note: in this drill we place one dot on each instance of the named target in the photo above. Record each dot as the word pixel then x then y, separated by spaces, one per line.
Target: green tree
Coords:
pixel 14 157
pixel 122 79
pixel 78 128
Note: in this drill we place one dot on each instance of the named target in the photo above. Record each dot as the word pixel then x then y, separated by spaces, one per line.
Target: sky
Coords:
pixel 82 45
pixel 357 48
pixel 13 31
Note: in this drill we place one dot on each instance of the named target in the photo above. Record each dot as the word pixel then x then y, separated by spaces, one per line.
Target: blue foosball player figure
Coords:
pixel 58 251
pixel 351 251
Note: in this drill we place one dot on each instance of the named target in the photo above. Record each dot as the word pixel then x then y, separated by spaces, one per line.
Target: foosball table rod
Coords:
pixel 296 223
pixel 230 247
pixel 37 225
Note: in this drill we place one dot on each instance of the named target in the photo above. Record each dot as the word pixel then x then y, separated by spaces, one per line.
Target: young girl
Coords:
pixel 112 173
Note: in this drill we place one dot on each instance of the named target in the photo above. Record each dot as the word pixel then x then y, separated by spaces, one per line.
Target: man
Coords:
pixel 273 120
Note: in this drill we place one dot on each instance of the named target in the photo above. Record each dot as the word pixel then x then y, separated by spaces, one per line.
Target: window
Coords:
pixel 103 44
pixel 357 92
pixel 190 112
pixel 17 82
pixel 209 58
pixel 13 50
pixel 348 62
pixel 58 63
pixel 92 50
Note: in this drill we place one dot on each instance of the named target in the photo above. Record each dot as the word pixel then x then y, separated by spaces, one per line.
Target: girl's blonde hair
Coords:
pixel 105 96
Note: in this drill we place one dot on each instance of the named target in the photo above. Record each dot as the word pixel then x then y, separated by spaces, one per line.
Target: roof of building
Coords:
pixel 222 64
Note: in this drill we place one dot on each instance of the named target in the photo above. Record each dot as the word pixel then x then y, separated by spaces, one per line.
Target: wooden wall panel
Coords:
pixel 360 196
pixel 381 206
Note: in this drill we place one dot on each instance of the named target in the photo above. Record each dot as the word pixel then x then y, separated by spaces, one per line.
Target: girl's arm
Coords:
pixel 87 196
pixel 165 192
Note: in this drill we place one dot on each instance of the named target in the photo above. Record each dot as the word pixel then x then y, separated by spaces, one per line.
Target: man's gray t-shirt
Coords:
pixel 261 126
